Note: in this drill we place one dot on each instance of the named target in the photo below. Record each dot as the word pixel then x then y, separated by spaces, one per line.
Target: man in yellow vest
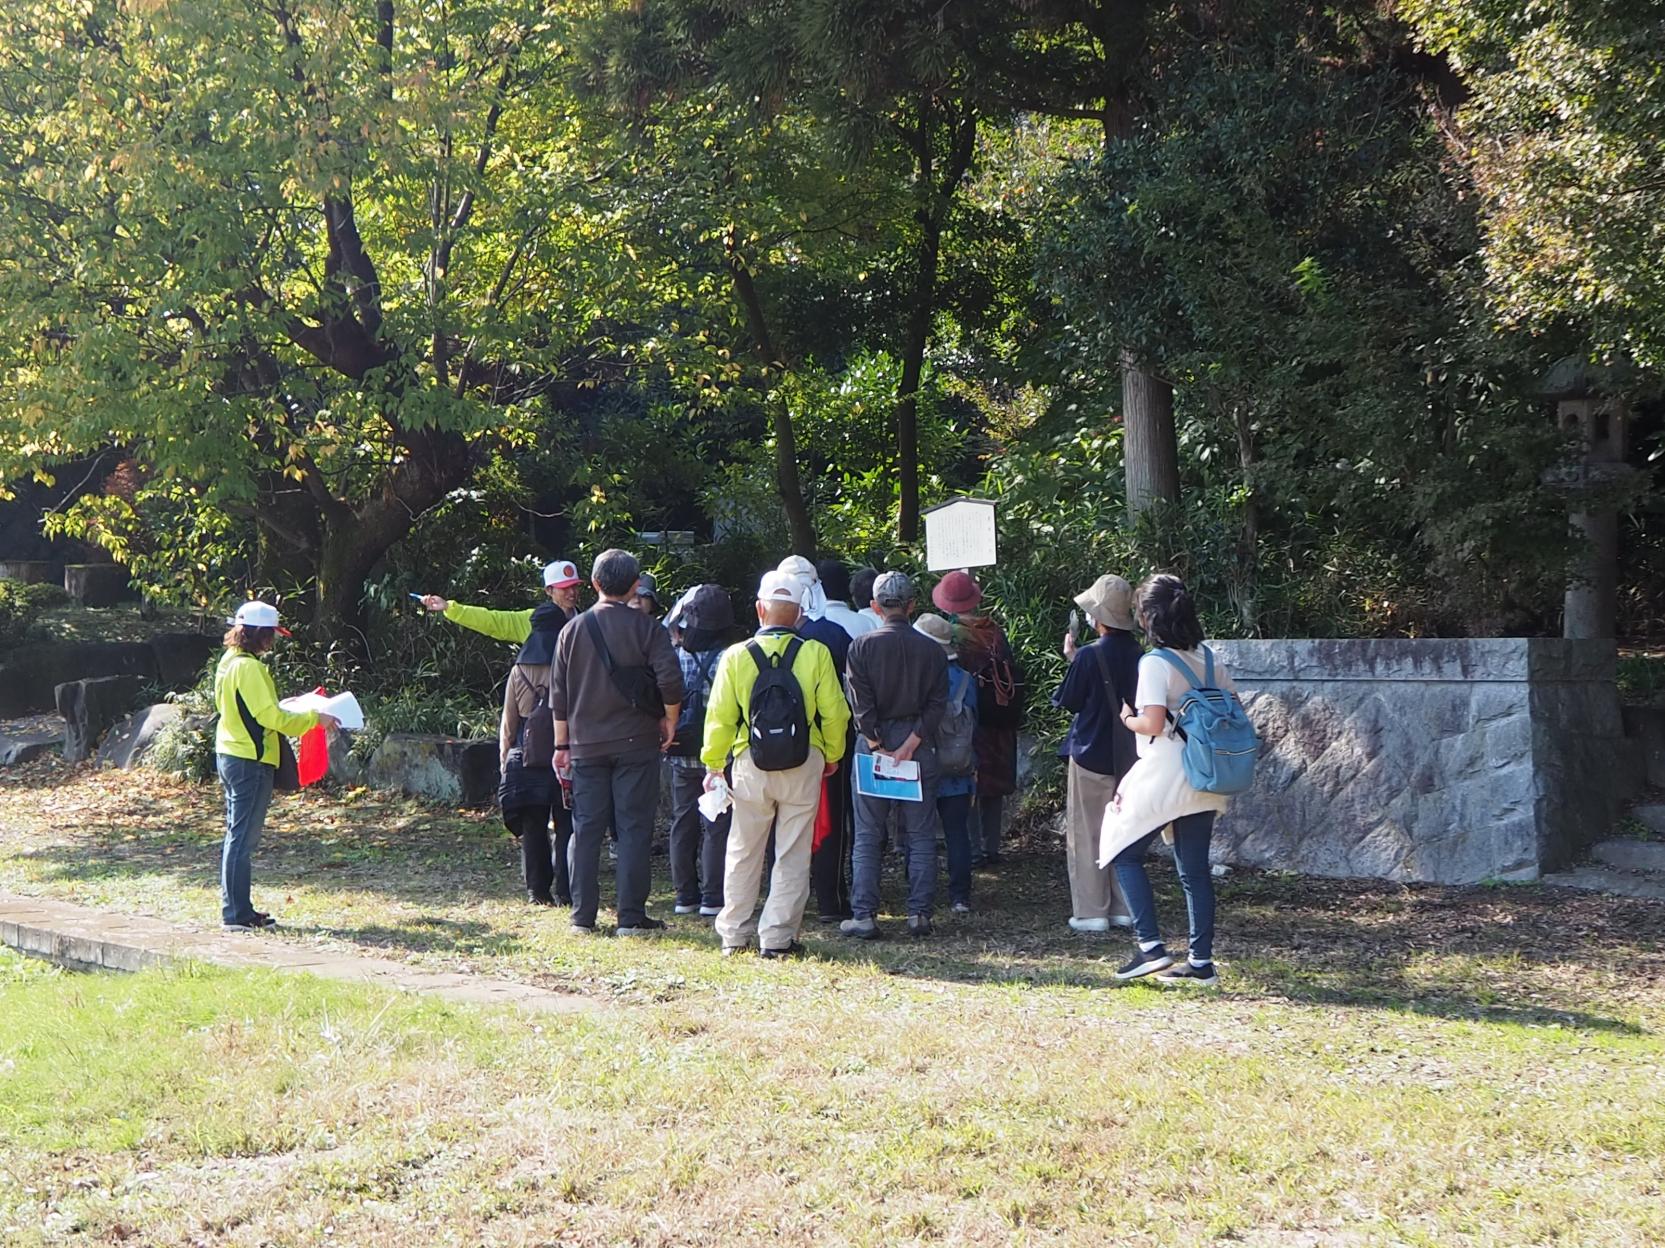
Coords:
pixel 785 731
pixel 560 582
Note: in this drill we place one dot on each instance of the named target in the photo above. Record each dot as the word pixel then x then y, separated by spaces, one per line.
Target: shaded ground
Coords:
pixel 1384 1065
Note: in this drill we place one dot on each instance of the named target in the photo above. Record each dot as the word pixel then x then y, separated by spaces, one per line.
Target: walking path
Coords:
pixel 89 939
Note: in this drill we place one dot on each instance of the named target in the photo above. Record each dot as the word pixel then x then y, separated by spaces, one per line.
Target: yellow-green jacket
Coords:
pixel 731 695
pixel 515 626
pixel 245 697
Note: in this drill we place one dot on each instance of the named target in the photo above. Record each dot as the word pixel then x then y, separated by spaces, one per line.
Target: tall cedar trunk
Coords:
pixel 935 200
pixel 787 483
pixel 1151 447
pixel 1246 592
pixel 907 395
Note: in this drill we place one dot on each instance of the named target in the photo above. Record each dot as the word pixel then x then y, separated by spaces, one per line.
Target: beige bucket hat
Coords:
pixel 1109 602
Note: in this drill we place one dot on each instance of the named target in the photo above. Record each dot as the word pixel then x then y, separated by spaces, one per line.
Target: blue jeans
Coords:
pixel 620 792
pixel 918 822
pixel 955 813
pixel 248 792
pixel 1191 837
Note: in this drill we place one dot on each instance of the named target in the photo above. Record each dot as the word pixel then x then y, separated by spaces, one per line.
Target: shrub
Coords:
pixel 17 613
pixel 42 595
pixel 185 747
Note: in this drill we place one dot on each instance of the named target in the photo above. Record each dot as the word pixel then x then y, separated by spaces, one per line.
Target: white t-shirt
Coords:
pixel 1161 685
pixel 851 621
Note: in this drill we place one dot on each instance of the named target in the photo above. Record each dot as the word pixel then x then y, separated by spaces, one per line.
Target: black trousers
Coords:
pixel 543 861
pixel 829 866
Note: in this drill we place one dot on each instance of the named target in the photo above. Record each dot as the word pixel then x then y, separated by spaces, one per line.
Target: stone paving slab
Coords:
pixel 89 939
pixel 1606 880
pixel 1632 855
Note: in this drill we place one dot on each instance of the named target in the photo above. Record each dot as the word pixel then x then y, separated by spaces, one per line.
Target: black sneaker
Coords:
pixel 1144 962
pixel 919 925
pixel 1203 976
pixel 262 919
pixel 794 950
pixel 535 900
pixel 643 926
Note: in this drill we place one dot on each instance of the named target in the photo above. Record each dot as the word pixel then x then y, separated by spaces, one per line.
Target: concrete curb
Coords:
pixel 87 939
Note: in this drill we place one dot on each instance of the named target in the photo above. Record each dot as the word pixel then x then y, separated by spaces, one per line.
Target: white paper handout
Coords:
pixel 888 768
pixel 344 706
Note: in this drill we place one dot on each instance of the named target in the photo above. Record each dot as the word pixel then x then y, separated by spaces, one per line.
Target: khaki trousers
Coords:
pixel 1094 893
pixel 787 800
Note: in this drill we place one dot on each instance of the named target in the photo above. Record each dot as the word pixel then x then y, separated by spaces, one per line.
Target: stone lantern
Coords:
pixel 1588 409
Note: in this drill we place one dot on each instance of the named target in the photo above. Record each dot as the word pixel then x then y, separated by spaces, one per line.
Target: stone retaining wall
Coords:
pixel 30 674
pixel 1445 761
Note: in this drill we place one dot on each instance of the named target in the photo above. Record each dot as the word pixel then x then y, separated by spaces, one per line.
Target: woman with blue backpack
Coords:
pixel 1196 749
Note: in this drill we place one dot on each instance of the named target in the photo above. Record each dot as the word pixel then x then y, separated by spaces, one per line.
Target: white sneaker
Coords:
pixel 710 912
pixel 686 909
pixel 1121 920
pixel 1089 925
pixel 960 907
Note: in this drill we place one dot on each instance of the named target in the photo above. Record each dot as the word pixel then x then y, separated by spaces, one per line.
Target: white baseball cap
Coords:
pixel 780 586
pixel 257 614
pixel 798 566
pixel 560 574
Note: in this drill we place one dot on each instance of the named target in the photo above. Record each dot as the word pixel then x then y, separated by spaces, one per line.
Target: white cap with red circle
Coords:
pixel 560 574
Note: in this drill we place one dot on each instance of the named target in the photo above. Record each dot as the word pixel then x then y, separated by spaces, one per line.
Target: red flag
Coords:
pixel 823 820
pixel 312 761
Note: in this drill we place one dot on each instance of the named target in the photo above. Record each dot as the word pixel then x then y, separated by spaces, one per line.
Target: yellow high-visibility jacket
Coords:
pixel 515 626
pixel 250 717
pixel 726 732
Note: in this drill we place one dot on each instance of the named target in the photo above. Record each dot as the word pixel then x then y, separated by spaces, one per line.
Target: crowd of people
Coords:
pixel 761 738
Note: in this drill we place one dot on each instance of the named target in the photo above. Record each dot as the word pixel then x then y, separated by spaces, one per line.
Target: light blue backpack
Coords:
pixel 1221 745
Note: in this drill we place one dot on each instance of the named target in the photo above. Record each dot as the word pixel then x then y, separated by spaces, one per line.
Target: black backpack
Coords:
pixel 690 723
pixel 777 723
pixel 537 733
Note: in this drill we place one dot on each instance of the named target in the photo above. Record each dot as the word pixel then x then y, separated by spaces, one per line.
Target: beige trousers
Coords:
pixel 1094 893
pixel 788 800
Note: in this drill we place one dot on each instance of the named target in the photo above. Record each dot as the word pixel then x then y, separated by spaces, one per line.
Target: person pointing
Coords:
pixel 560 584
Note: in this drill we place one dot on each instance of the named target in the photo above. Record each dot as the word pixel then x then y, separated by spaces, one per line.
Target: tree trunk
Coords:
pixel 936 198
pixel 780 415
pixel 1245 592
pixel 907 399
pixel 786 480
pixel 1151 447
pixel 354 539
pixel 344 562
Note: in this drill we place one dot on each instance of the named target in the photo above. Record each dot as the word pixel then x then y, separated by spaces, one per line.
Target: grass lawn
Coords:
pixel 1383 1065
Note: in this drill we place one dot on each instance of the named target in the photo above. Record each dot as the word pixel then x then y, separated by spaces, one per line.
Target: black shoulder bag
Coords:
pixel 638 685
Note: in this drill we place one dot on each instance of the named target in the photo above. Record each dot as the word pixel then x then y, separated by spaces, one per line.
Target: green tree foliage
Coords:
pixel 1276 235
pixel 305 257
pixel 1564 130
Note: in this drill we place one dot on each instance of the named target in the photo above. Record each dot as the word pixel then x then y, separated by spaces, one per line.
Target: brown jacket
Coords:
pixel 520 695
pixel 600 723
